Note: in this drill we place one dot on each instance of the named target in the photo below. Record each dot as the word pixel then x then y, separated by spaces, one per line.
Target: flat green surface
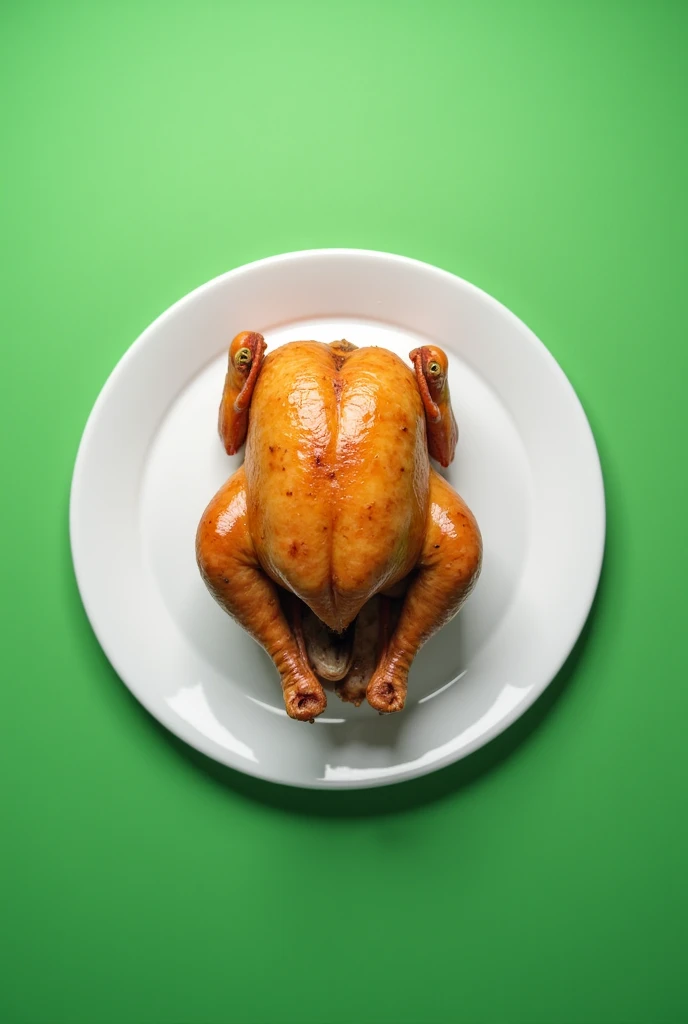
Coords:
pixel 537 150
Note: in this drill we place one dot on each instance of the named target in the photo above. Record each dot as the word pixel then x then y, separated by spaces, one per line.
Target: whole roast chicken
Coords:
pixel 336 545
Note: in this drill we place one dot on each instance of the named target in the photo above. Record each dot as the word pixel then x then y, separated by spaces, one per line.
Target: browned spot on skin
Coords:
pixel 318 460
pixel 289 493
pixel 271 447
pixel 338 385
pixel 403 470
pixel 294 548
pixel 308 699
pixel 324 529
pixel 339 361
pixel 436 546
pixel 331 475
pixel 404 428
pixel 283 469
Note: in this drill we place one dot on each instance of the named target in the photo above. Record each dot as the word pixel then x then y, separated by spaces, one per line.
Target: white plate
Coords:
pixel 150 460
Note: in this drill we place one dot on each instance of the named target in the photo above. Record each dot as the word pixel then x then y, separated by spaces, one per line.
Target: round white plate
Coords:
pixel 150 460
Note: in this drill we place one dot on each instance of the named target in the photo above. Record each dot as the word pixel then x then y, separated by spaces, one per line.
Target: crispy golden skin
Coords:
pixel 336 503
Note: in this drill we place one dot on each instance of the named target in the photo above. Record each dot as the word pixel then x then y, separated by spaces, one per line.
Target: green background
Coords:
pixel 537 150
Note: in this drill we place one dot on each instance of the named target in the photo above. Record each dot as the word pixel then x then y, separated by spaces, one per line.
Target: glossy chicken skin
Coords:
pixel 337 502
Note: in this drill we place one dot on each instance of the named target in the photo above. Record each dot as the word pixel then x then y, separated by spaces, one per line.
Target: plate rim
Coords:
pixel 598 534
